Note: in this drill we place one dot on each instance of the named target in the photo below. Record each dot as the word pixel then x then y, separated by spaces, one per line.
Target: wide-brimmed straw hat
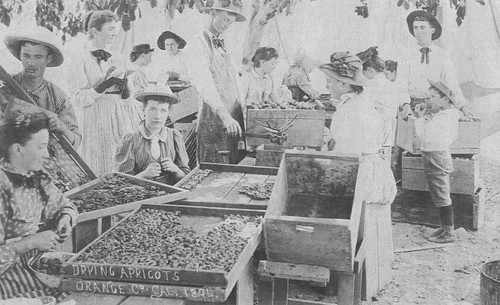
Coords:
pixel 232 6
pixel 345 67
pixel 156 92
pixel 142 48
pixel 441 86
pixel 39 35
pixel 166 35
pixel 435 23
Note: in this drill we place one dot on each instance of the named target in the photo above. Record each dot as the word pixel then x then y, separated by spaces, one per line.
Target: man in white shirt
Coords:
pixel 426 60
pixel 220 121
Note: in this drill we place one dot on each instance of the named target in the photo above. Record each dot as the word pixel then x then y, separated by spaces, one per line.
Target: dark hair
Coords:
pixel 357 89
pixel 96 19
pixel 19 128
pixel 423 18
pixel 370 59
pixel 391 66
pixel 159 98
pixel 441 94
pixel 265 54
pixel 23 44
pixel 135 55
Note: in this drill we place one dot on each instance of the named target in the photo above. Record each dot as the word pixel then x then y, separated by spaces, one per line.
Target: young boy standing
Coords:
pixel 437 131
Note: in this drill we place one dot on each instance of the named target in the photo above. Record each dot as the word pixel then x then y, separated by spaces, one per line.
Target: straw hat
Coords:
pixel 161 93
pixel 166 35
pixel 232 6
pixel 346 68
pixel 39 35
pixel 142 48
pixel 441 86
pixel 435 23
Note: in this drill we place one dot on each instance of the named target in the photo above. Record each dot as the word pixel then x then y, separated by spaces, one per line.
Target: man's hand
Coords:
pixel 152 171
pixel 64 227
pixel 419 110
pixel 55 124
pixel 467 114
pixel 232 126
pixel 406 111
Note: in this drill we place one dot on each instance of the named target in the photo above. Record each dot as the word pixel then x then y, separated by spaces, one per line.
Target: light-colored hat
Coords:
pixel 345 67
pixel 39 35
pixel 232 6
pixel 441 86
pixel 161 93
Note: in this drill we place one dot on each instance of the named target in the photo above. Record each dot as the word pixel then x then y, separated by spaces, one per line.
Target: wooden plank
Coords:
pixel 292 301
pixel 248 179
pixel 346 289
pixel 385 245
pixel 244 287
pixel 269 155
pixel 294 271
pixel 468 166
pixel 415 179
pixel 206 294
pixel 216 187
pixel 84 233
pixel 151 301
pixel 280 291
pixel 235 168
pixel 95 299
pixel 372 263
pixel 254 205
pixel 265 291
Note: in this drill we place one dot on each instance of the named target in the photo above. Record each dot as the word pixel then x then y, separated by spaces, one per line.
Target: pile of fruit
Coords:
pixel 196 178
pixel 284 105
pixel 259 191
pixel 48 265
pixel 114 190
pixel 157 238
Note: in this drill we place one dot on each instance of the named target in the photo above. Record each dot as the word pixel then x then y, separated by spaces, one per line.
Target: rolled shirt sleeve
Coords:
pixel 125 156
pixel 181 157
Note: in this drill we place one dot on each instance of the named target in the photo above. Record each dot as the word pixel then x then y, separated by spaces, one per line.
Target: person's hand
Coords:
pixel 232 126
pixel 55 124
pixel 406 111
pixel 125 92
pixel 152 171
pixel 419 110
pixel 43 241
pixel 102 86
pixel 169 166
pixel 64 227
pixel 467 114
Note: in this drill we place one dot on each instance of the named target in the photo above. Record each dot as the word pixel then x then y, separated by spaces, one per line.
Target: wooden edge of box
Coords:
pixel 83 187
pixel 117 209
pixel 307 221
pixel 75 156
pixel 187 177
pixel 245 169
pixel 230 205
pixel 294 271
pixel 319 154
pixel 146 182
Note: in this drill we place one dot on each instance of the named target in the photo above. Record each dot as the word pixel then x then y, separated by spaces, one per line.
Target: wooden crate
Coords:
pixel 314 213
pixel 160 282
pixel 464 178
pixel 307 130
pixel 468 141
pixel 92 224
pixel 221 187
pixel 269 155
pixel 417 207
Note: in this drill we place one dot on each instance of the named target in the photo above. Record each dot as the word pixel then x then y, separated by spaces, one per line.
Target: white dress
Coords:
pixel 103 118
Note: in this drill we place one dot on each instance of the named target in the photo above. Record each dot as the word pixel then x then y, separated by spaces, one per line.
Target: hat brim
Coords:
pixel 168 98
pixel 239 16
pixel 441 89
pixel 13 43
pixel 360 81
pixel 437 26
pixel 166 35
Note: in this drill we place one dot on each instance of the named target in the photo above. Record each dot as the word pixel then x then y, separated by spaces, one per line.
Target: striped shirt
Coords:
pixel 134 153
pixel 50 97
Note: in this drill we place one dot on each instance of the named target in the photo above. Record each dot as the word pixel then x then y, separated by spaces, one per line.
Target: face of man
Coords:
pixel 221 20
pixel 34 58
pixel 34 152
pixel 171 46
pixel 423 32
pixel 156 114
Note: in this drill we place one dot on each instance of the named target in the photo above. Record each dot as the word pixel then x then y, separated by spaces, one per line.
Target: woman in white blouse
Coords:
pixel 173 61
pixel 99 91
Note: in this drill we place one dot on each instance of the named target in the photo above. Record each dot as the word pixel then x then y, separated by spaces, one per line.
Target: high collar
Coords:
pixel 92 47
pixel 162 135
pixel 257 75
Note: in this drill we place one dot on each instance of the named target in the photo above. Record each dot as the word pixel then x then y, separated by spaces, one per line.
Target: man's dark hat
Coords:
pixel 142 48
pixel 435 23
pixel 166 35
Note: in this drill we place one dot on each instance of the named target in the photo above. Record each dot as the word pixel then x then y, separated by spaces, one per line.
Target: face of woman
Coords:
pixel 107 34
pixel 156 114
pixel 171 46
pixel 336 87
pixel 34 152
pixel 268 66
pixel 146 58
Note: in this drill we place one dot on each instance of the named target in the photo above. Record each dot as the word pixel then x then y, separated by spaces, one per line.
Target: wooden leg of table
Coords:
pixel 346 289
pixel 358 285
pixel 244 286
pixel 265 291
pixel 280 291
pixel 106 223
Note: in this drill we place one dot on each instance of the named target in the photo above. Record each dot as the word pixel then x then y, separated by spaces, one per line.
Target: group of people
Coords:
pixel 116 118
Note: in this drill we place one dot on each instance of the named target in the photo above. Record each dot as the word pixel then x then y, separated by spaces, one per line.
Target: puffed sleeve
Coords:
pixel 8 253
pixel 82 93
pixel 57 205
pixel 125 155
pixel 181 157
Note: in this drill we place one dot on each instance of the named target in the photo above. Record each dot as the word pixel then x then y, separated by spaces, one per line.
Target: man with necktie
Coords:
pixel 428 61
pixel 37 48
pixel 210 65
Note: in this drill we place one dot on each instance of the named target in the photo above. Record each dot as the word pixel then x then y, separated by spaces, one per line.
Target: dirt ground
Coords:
pixel 442 276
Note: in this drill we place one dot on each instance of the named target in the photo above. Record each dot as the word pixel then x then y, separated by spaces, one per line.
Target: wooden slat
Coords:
pixel 248 179
pixel 84 233
pixel 280 291
pixel 96 299
pixel 461 165
pixel 346 289
pixel 294 271
pixel 216 187
pixel 152 301
pixel 293 301
pixel 254 205
pixel 415 179
pixel 259 170
pixel 244 287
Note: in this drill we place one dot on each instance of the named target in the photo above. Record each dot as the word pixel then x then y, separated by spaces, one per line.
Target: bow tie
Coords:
pixel 101 55
pixel 425 55
pixel 218 42
pixel 33 181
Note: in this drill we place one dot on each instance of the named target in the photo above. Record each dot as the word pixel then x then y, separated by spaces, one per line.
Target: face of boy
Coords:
pixel 435 100
pixel 423 31
pixel 156 114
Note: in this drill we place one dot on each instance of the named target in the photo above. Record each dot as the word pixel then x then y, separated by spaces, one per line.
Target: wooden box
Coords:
pixel 161 282
pixel 314 213
pixel 417 207
pixel 464 178
pixel 94 223
pixel 468 141
pixel 221 187
pixel 269 155
pixel 307 130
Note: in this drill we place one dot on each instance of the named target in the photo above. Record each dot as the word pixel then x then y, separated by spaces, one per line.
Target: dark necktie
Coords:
pixel 33 181
pixel 218 42
pixel 101 55
pixel 425 55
